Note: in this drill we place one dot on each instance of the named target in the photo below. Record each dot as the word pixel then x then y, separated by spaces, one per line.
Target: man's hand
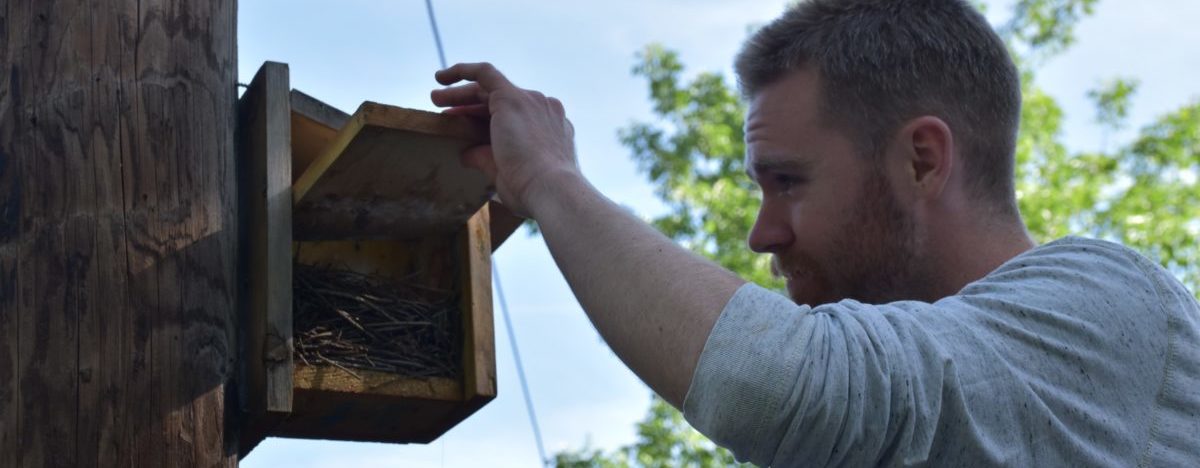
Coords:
pixel 652 301
pixel 532 152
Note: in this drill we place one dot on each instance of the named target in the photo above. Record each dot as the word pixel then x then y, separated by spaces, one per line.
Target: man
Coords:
pixel 924 326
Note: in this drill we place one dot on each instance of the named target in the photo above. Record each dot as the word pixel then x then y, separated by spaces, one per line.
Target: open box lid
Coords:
pixel 386 172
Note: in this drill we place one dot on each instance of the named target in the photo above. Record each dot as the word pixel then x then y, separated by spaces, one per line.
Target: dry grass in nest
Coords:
pixel 355 321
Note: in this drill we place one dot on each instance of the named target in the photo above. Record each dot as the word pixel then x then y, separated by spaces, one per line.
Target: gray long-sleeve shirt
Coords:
pixel 1076 353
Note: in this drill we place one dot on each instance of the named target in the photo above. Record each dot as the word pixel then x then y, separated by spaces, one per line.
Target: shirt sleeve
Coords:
pixel 1062 357
pixel 786 384
pixel 740 385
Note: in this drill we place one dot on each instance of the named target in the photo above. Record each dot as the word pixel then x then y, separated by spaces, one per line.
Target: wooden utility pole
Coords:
pixel 118 236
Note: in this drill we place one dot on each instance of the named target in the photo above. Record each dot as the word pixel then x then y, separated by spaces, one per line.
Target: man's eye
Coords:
pixel 786 182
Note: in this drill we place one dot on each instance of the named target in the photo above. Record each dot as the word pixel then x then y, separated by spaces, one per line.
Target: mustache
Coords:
pixel 797 270
pixel 778 270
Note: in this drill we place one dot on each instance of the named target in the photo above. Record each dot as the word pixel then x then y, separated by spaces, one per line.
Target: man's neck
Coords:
pixel 971 252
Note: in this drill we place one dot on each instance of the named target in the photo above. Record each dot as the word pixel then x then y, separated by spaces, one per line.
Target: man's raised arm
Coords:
pixel 652 301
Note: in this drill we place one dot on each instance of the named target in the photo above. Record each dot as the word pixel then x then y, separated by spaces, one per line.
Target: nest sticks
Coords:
pixel 354 321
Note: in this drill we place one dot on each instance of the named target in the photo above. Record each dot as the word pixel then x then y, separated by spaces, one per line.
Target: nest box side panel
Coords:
pixel 314 125
pixel 264 165
pixel 479 349
pixel 502 222
pixel 391 173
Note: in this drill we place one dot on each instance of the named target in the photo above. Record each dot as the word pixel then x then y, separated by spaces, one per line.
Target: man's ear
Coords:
pixel 929 145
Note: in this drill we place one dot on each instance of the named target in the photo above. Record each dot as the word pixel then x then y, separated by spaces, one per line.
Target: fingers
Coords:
pixel 465 95
pixel 483 73
pixel 474 110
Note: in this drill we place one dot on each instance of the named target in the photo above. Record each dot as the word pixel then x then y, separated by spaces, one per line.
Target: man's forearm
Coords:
pixel 652 301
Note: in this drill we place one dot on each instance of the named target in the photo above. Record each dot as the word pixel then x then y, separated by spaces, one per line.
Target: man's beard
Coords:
pixel 875 258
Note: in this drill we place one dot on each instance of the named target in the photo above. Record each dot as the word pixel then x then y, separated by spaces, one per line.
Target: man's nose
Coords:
pixel 770 233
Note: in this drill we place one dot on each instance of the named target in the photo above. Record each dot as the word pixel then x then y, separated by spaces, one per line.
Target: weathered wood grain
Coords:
pixel 315 125
pixel 479 349
pixel 10 205
pixel 365 382
pixel 264 158
pixel 391 172
pixel 117 235
pixel 46 133
pixel 104 333
pixel 11 171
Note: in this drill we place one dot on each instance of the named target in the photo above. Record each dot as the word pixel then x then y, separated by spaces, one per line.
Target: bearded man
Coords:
pixel 924 325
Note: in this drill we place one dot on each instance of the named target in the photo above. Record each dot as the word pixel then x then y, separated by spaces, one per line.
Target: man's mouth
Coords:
pixel 779 270
pixel 804 281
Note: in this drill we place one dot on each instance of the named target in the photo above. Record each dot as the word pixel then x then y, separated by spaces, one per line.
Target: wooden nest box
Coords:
pixel 379 194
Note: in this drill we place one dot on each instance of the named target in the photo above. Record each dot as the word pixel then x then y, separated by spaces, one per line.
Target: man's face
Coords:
pixel 828 215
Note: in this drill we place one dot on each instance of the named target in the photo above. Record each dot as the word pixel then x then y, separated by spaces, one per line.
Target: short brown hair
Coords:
pixel 882 62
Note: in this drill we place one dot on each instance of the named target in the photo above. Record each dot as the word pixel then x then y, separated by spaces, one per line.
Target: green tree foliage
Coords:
pixel 1043 28
pixel 694 158
pixel 664 440
pixel 1142 193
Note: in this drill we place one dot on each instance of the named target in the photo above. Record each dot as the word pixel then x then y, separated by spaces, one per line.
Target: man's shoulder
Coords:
pixel 1137 322
pixel 1077 251
pixel 1088 247
pixel 1076 268
pixel 1103 328
pixel 1076 290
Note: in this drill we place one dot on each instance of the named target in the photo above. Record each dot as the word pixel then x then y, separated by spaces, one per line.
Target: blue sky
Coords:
pixel 349 51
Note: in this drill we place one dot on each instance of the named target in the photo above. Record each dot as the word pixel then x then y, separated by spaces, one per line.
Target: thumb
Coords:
pixel 480 157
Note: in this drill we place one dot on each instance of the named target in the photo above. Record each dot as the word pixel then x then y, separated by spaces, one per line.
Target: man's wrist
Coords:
pixel 551 189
